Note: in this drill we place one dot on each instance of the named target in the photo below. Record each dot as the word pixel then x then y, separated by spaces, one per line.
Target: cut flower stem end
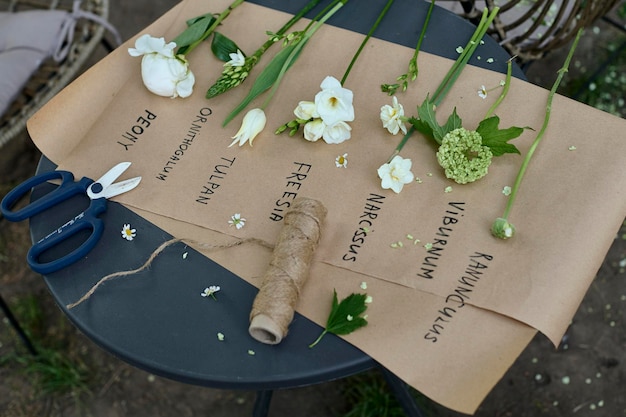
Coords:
pixel 535 144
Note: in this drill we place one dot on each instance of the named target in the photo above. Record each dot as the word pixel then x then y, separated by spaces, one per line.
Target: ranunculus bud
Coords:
pixel 502 228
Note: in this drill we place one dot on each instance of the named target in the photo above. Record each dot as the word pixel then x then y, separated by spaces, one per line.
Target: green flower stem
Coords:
pixel 505 89
pixel 310 5
pixel 298 48
pixel 369 35
pixel 411 74
pixel 555 86
pixel 312 345
pixel 418 47
pixel 468 51
pixel 456 69
pixel 215 24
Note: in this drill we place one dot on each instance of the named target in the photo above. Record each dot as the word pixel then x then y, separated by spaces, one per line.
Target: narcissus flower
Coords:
pixel 396 173
pixel 463 156
pixel 253 123
pixel 391 116
pixel 163 73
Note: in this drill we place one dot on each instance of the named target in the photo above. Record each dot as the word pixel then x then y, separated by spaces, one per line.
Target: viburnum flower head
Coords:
pixel 163 73
pixel 396 173
pixel 334 103
pixel 463 156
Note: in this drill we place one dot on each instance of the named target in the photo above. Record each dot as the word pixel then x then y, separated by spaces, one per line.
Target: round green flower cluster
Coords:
pixel 463 156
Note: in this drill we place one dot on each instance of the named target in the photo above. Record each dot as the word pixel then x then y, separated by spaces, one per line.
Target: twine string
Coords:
pixel 157 252
pixel 274 306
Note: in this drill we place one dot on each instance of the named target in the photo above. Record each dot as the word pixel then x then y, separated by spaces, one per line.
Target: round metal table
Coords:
pixel 157 321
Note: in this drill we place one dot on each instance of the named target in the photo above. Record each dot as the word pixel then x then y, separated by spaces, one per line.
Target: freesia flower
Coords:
pixel 396 173
pixel 334 103
pixel 314 130
pixel 337 133
pixel 463 156
pixel 163 73
pixel 253 123
pixel 306 110
pixel 391 116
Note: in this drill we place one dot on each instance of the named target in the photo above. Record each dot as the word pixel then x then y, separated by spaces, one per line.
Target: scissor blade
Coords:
pixel 120 187
pixel 111 175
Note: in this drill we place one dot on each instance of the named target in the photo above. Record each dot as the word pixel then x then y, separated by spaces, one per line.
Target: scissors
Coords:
pixel 98 191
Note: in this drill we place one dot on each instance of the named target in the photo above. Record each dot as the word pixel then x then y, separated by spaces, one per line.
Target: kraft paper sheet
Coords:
pixel 568 209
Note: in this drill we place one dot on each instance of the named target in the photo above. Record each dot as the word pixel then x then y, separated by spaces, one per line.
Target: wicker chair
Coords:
pixel 529 29
pixel 53 76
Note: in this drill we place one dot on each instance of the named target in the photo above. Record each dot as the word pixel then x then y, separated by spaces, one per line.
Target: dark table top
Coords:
pixel 158 321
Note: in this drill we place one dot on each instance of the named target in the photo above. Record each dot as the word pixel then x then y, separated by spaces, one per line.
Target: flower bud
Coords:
pixel 502 229
pixel 253 123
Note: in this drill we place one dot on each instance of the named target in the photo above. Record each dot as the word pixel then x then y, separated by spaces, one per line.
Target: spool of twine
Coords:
pixel 274 306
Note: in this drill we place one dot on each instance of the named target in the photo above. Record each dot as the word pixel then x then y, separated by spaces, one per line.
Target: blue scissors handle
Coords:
pixel 86 220
pixel 67 189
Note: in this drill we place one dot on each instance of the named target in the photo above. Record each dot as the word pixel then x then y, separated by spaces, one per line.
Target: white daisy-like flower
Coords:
pixel 342 161
pixel 210 291
pixel 128 233
pixel 237 221
pixel 482 93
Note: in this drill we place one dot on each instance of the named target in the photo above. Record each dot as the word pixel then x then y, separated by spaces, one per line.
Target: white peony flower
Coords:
pixel 396 173
pixel 163 72
pixel 391 116
pixel 334 103
pixel 253 123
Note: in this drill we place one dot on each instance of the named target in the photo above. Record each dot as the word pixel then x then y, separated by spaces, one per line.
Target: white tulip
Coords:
pixel 163 73
pixel 253 123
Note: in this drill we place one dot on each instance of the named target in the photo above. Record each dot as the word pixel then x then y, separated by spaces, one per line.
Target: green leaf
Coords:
pixel 345 316
pixel 496 139
pixel 268 76
pixel 222 47
pixel 428 125
pixel 194 32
